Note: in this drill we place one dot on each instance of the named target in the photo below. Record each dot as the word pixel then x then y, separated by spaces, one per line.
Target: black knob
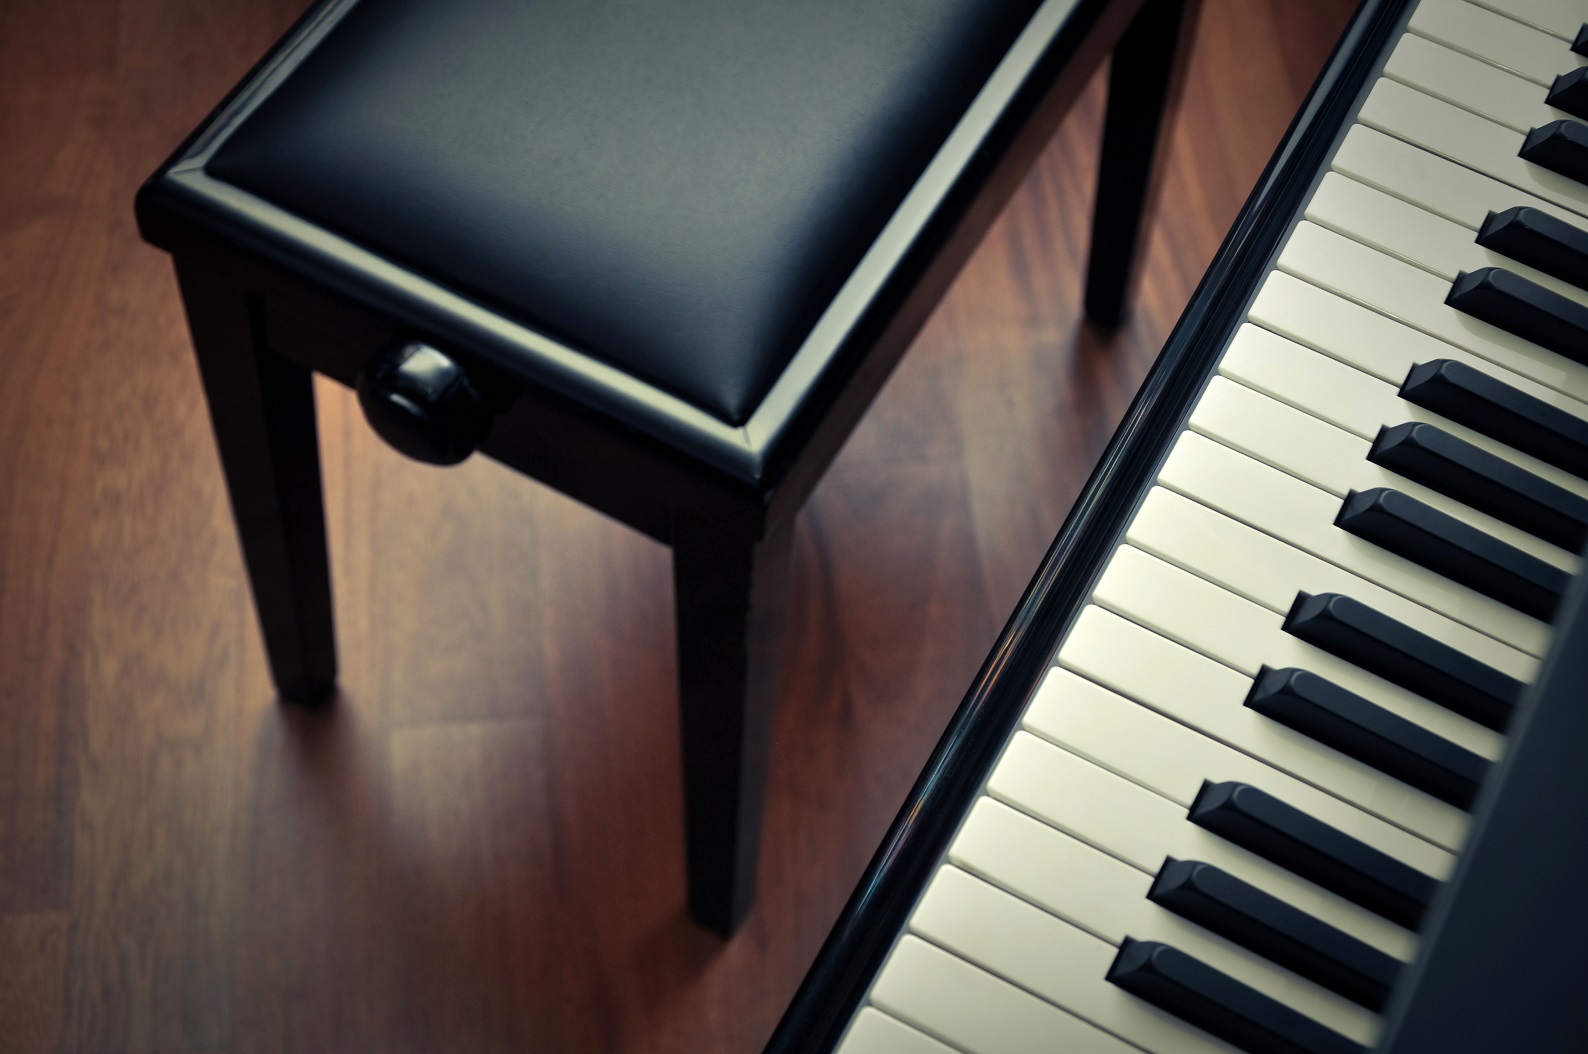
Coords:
pixel 421 402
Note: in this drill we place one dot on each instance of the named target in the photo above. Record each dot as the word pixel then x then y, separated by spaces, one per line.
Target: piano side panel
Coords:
pixel 1506 967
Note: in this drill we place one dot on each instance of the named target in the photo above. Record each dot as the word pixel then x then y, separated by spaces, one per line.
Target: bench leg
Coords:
pixel 730 593
pixel 262 409
pixel 1144 81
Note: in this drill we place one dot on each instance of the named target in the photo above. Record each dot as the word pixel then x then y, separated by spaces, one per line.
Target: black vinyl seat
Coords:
pixel 674 189
pixel 657 253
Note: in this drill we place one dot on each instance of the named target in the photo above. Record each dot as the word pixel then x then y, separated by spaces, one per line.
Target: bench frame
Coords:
pixel 271 298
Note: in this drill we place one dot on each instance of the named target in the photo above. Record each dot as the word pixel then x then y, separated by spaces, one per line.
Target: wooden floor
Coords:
pixel 479 847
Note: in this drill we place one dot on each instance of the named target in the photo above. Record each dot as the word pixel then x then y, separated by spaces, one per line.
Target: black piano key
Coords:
pixel 1286 935
pixel 1484 404
pixel 1580 45
pixel 1560 146
pixel 1213 1001
pixel 1491 484
pixel 1443 544
pixel 1405 656
pixel 1362 729
pixel 1533 237
pixel 1312 849
pixel 1528 310
pixel 1570 92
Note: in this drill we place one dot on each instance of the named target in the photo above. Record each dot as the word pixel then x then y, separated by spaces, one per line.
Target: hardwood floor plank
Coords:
pixel 480 913
pixel 56 254
pixel 166 650
pixel 309 962
pixel 30 1000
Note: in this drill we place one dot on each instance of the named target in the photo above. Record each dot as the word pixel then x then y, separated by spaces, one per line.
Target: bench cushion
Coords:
pixel 676 187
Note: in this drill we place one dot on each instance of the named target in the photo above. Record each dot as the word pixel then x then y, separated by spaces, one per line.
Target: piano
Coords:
pixel 1279 752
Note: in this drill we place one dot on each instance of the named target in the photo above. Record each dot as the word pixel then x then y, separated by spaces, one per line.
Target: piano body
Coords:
pixel 1280 750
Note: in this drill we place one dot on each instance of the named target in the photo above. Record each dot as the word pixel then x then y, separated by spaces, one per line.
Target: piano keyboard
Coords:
pixel 1227 806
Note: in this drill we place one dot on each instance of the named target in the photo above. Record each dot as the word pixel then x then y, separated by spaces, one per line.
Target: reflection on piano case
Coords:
pixel 1280 751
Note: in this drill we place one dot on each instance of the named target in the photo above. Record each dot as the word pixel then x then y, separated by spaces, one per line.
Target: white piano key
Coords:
pixel 961 1004
pixel 1137 827
pixel 1246 636
pixel 1559 18
pixel 1303 515
pixel 1417 298
pixel 1371 342
pixel 1466 138
pixel 1393 225
pixel 1482 33
pixel 1271 572
pixel 1471 84
pixel 1067 965
pixel 1051 869
pixel 1172 759
pixel 1207 695
pixel 1077 882
pixel 1432 182
pixel 1070 974
pixel 1352 399
pixel 1132 824
pixel 873 1032
pixel 1438 246
pixel 1335 460
pixel 1279 435
pixel 1325 387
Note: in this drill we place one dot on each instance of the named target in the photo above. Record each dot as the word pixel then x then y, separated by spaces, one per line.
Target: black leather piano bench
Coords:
pixel 658 254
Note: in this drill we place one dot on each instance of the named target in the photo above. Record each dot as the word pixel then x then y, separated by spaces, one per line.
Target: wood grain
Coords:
pixel 34 947
pixel 479 846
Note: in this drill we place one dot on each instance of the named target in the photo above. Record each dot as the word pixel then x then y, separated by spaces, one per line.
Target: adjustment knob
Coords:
pixel 421 402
